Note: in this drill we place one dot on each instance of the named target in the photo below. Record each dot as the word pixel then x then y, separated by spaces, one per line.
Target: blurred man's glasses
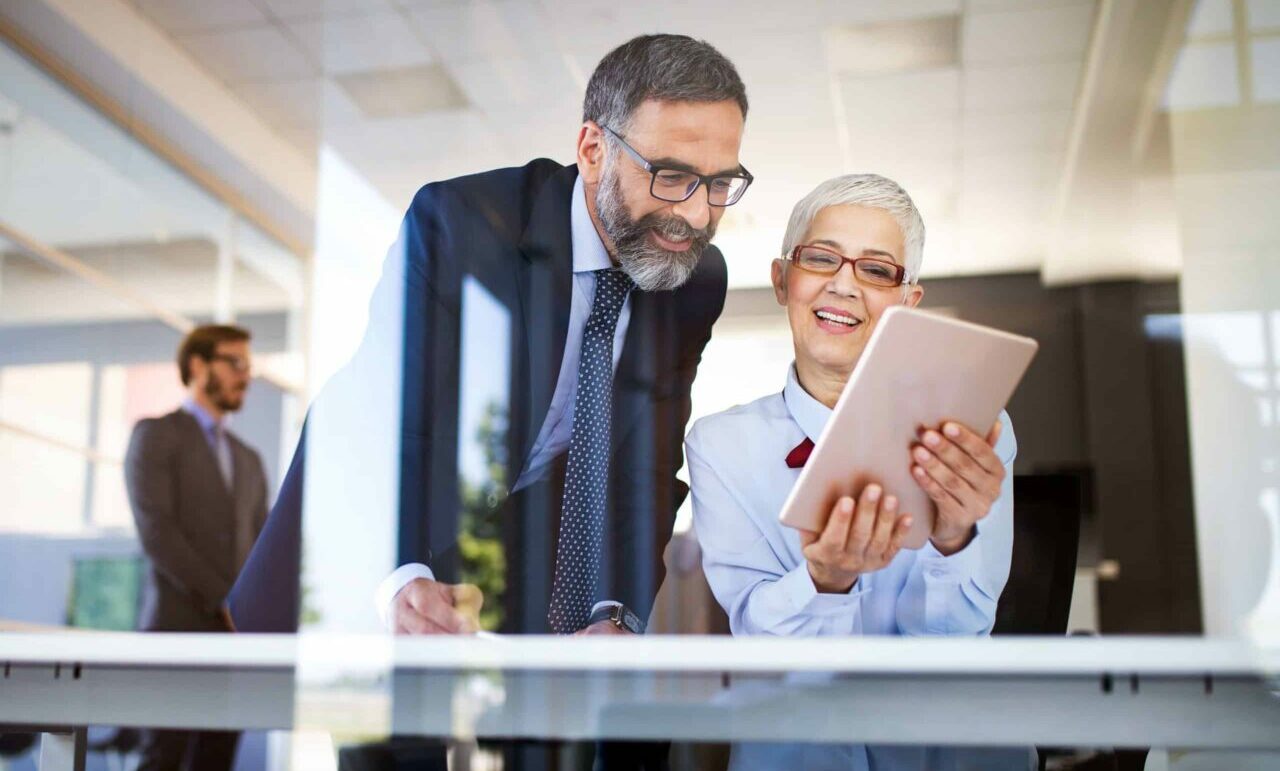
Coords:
pixel 239 364
pixel 867 270
pixel 677 185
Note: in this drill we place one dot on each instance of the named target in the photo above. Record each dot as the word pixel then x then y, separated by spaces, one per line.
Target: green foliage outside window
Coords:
pixel 483 558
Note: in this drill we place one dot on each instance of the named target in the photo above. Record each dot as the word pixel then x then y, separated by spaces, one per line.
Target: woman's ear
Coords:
pixel 778 274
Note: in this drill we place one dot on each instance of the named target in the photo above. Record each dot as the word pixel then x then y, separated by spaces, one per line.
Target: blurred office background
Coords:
pixel 1101 175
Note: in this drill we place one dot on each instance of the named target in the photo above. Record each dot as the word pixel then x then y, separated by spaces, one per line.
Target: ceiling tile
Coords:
pixel 194 15
pixel 1007 5
pixel 994 132
pixel 372 41
pixel 893 46
pixel 936 137
pixel 867 11
pixel 1263 14
pixel 498 82
pixel 1027 35
pixel 1029 168
pixel 1047 85
pixel 309 102
pixel 1205 75
pixel 304 9
pixel 485 29
pixel 249 54
pixel 901 97
pixel 1266 70
pixel 1211 17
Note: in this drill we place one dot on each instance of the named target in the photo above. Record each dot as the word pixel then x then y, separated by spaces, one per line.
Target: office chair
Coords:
pixel 1047 509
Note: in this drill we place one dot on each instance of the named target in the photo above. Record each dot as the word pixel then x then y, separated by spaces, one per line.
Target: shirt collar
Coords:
pixel 808 413
pixel 589 253
pixel 206 421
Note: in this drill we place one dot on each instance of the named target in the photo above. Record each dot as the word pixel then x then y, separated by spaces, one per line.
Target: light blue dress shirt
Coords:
pixel 739 481
pixel 215 433
pixel 754 564
pixel 589 255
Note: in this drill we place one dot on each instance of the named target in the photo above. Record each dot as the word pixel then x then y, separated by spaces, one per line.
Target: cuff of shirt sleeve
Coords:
pixel 956 567
pixel 391 586
pixel 803 597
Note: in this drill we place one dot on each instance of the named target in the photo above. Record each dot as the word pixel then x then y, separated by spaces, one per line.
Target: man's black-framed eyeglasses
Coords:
pixel 678 185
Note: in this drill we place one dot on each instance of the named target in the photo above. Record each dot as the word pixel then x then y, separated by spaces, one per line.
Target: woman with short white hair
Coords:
pixel 852 249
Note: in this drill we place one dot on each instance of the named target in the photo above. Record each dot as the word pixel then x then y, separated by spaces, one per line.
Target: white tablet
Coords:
pixel 919 368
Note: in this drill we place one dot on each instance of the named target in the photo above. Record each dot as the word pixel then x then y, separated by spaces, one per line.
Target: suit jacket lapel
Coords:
pixel 633 383
pixel 241 469
pixel 545 292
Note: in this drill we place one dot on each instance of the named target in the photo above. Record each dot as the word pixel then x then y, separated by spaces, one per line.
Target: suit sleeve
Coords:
pixel 149 479
pixel 267 594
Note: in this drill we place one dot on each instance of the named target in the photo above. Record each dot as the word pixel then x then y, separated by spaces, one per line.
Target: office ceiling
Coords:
pixel 968 104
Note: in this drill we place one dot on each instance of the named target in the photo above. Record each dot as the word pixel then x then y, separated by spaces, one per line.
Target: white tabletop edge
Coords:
pixel 867 655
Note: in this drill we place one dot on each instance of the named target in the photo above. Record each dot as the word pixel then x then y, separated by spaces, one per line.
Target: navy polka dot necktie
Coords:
pixel 586 482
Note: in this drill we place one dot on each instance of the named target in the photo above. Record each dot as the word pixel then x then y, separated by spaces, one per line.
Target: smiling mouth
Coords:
pixel 838 318
pixel 671 244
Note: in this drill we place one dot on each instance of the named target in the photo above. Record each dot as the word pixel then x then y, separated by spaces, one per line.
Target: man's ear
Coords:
pixel 778 274
pixel 914 295
pixel 197 367
pixel 591 152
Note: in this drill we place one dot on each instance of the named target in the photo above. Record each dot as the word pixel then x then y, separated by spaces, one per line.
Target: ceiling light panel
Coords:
pixel 402 92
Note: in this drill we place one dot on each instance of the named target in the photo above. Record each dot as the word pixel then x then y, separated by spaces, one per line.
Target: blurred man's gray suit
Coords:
pixel 196 531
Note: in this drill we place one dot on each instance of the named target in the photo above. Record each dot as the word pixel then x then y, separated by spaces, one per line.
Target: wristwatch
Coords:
pixel 620 616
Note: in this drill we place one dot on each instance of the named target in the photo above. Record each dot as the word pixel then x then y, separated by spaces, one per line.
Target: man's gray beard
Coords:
pixel 651 267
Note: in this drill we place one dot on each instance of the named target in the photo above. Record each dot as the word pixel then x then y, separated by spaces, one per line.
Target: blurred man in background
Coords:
pixel 199 498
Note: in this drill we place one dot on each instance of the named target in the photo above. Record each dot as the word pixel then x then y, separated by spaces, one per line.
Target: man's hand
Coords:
pixel 857 539
pixel 602 627
pixel 962 475
pixel 424 606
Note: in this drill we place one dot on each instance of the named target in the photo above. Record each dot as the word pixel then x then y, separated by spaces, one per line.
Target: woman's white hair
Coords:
pixel 872 191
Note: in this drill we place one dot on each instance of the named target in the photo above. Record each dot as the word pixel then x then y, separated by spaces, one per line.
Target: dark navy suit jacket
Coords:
pixel 509 229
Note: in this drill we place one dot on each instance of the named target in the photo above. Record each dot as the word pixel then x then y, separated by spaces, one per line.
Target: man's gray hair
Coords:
pixel 872 191
pixel 668 68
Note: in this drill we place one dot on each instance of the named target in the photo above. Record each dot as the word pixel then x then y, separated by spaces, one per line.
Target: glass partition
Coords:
pixel 414 208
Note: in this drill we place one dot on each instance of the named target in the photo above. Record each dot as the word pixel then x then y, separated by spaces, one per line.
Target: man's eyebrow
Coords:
pixel 679 165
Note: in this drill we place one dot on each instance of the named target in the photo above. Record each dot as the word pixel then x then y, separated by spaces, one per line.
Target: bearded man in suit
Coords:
pixel 199 498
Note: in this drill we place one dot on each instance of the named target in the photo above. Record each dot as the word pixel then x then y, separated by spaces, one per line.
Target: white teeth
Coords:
pixel 849 320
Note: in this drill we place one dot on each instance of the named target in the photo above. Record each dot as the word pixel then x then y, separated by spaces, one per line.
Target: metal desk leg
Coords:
pixel 63 751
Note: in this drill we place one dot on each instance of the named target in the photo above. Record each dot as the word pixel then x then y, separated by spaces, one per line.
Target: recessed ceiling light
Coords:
pixel 402 92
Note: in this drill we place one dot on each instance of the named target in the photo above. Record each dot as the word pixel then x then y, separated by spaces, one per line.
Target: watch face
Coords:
pixel 631 622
